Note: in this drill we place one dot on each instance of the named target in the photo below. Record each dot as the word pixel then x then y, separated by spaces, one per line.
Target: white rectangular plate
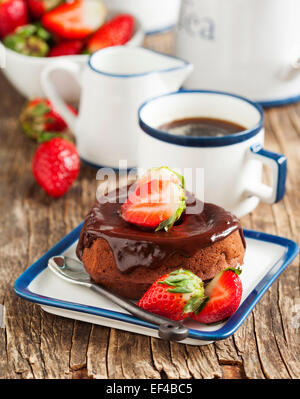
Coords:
pixel 266 258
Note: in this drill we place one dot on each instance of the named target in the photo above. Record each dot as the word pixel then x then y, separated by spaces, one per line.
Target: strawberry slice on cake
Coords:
pixel 157 202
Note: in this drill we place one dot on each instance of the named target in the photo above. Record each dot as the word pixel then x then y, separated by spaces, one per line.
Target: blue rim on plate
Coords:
pixel 201 141
pixel 292 249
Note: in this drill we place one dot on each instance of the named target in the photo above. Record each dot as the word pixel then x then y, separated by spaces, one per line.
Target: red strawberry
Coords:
pixel 38 117
pixel 55 166
pixel 38 8
pixel 13 13
pixel 75 20
pixel 224 293
pixel 116 32
pixel 175 296
pixel 66 48
pixel 155 204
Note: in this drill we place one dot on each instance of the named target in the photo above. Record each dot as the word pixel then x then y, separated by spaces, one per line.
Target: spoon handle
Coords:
pixel 168 329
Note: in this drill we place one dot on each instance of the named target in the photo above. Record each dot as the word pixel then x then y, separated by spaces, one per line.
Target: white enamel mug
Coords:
pixel 231 165
pixel 249 47
pixel 114 83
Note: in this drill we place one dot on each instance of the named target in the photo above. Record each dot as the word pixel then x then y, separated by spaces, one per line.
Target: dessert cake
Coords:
pixel 127 258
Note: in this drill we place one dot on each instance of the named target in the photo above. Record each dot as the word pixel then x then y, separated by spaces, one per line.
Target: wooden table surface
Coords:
pixel 35 344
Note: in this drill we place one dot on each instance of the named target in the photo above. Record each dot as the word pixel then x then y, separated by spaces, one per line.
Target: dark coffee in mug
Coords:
pixel 200 127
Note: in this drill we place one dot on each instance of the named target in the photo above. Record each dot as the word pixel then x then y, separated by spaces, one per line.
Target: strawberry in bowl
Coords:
pixel 37 8
pixel 13 13
pixel 75 20
pixel 70 28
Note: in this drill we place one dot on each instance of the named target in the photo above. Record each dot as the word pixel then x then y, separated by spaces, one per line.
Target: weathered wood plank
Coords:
pixel 203 362
pixel 40 345
pixel 97 352
pixel 129 356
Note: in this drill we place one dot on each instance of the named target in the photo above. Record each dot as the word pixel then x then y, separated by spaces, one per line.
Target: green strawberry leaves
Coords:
pixel 185 282
pixel 168 223
pixel 195 304
pixel 236 270
pixel 47 136
pixel 31 39
pixel 40 109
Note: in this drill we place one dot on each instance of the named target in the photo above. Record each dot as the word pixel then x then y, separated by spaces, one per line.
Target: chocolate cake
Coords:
pixel 127 259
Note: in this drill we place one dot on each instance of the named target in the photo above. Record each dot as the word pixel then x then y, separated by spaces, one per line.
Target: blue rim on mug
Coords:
pixel 202 141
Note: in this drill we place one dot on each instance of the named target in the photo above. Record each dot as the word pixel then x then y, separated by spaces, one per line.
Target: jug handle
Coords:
pixel 47 85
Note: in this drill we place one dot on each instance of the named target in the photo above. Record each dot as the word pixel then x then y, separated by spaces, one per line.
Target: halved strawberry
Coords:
pixel 176 295
pixel 162 173
pixel 154 204
pixel 224 294
pixel 38 8
pixel 75 20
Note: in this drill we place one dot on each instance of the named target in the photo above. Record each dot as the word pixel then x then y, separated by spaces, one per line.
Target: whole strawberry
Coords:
pixel 115 32
pixel 30 39
pixel 38 117
pixel 38 8
pixel 176 295
pixel 13 13
pixel 55 166
pixel 71 47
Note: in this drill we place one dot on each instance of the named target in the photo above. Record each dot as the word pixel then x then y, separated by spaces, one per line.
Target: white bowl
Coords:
pixel 24 71
pixel 156 16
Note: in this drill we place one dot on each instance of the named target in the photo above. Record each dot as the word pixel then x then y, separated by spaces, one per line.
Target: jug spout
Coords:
pixel 174 77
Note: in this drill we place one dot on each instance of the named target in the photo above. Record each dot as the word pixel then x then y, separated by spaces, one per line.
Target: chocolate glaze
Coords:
pixel 133 246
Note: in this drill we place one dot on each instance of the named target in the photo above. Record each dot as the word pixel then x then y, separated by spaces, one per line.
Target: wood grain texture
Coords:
pixel 35 344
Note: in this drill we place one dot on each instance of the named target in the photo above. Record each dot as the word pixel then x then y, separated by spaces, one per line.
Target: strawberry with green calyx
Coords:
pixel 55 166
pixel 176 295
pixel 30 39
pixel 38 117
pixel 224 294
pixel 157 204
pixel 47 136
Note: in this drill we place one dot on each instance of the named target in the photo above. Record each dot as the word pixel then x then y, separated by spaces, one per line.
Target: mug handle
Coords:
pixel 278 164
pixel 47 85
